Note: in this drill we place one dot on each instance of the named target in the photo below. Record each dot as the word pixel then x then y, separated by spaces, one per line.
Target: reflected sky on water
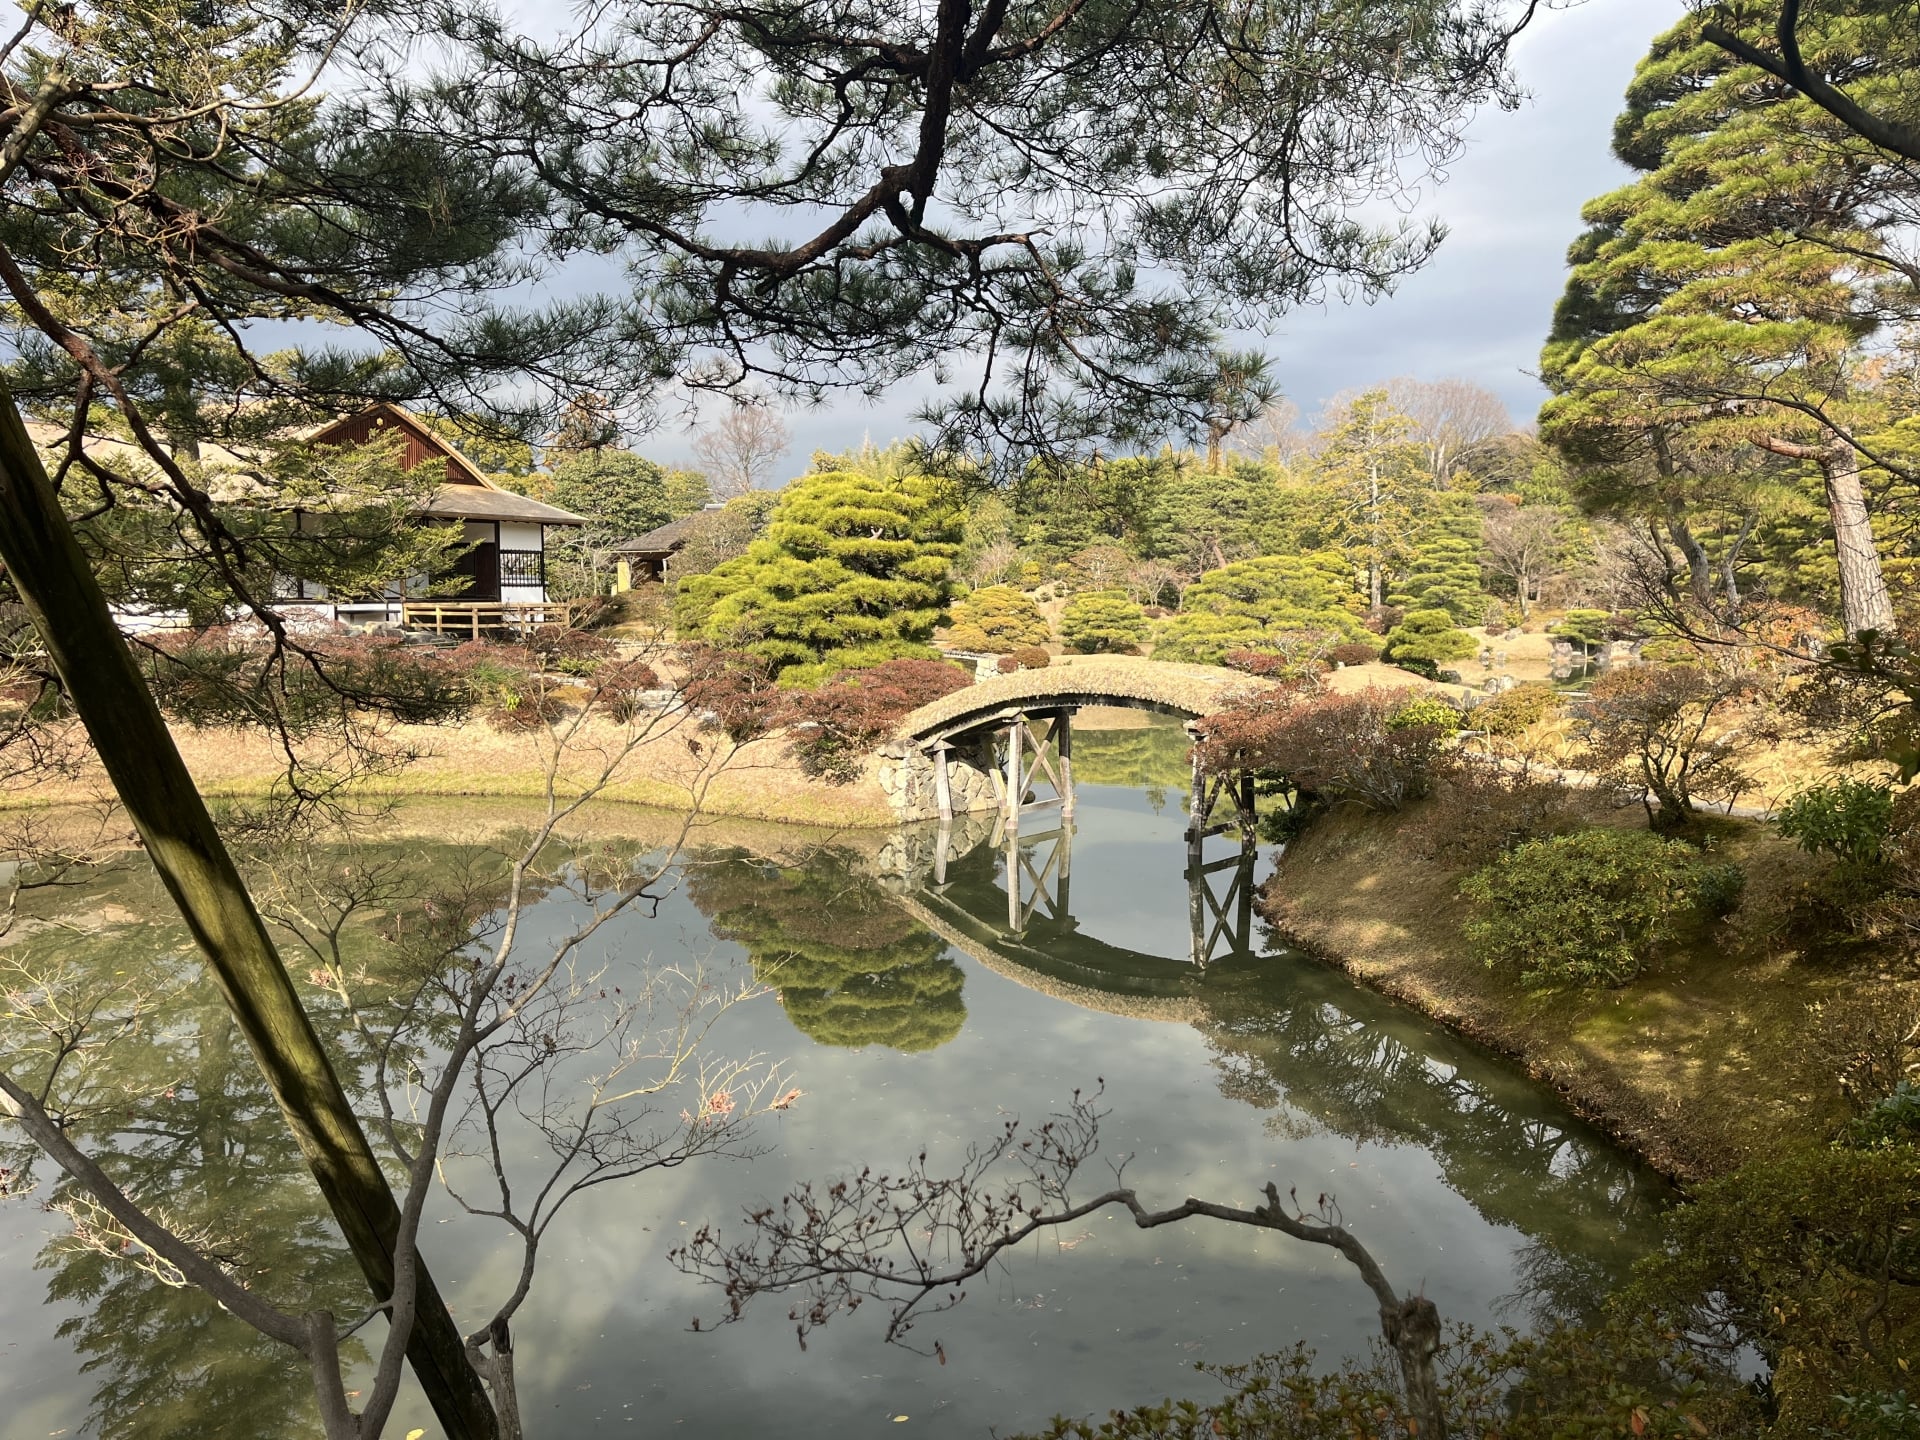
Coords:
pixel 910 1018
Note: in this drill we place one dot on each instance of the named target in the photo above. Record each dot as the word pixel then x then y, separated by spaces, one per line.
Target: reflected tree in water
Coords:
pixel 850 966
pixel 180 1111
pixel 1326 1056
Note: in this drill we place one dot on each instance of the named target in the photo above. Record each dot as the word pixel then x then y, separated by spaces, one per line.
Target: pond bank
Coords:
pixel 1715 1055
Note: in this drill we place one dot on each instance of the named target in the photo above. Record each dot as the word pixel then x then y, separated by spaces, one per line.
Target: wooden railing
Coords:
pixel 475 618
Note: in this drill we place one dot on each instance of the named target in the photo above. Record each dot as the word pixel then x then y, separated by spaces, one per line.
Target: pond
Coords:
pixel 915 1011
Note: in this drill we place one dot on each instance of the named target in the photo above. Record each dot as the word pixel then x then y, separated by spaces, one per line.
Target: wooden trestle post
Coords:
pixel 1063 743
pixel 1016 778
pixel 943 782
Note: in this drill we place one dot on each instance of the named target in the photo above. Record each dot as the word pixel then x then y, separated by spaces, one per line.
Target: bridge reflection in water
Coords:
pixel 950 869
pixel 1287 1034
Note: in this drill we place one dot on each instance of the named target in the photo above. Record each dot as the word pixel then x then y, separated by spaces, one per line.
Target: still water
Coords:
pixel 917 1010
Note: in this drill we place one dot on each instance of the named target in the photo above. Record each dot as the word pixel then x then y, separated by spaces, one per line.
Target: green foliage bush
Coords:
pixel 1586 628
pixel 1425 710
pixel 1516 711
pixel 853 569
pixel 1591 908
pixel 1103 622
pixel 620 494
pixel 1429 636
pixel 1847 819
pixel 1238 606
pixel 1004 619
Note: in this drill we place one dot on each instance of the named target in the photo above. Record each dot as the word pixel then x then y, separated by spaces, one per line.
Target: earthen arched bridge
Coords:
pixel 978 748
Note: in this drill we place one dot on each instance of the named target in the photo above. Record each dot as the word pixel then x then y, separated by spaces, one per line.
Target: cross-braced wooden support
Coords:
pixel 1028 754
pixel 1222 924
pixel 1210 794
pixel 1031 886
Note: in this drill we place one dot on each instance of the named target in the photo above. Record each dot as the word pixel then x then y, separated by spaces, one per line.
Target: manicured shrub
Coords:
pixel 1485 810
pixel 1428 636
pixel 1425 710
pixel 1027 657
pixel 1004 618
pixel 1354 652
pixel 1103 622
pixel 1586 628
pixel 1338 749
pixel 1240 606
pixel 1847 819
pixel 1516 711
pixel 1593 907
pixel 970 638
pixel 837 725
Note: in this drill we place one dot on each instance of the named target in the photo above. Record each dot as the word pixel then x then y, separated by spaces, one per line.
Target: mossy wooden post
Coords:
pixel 67 606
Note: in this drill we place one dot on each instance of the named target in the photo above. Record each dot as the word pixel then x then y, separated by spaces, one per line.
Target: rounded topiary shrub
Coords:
pixel 1005 617
pixel 1517 710
pixel 1427 637
pixel 1591 908
pixel 1103 622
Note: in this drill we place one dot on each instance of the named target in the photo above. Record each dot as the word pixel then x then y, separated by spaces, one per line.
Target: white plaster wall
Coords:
pixel 519 535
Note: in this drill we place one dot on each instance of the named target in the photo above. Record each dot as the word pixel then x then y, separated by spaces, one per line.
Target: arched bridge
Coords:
pixel 1188 691
pixel 1006 743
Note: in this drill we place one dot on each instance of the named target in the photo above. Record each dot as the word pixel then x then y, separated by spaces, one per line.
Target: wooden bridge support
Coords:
pixel 1028 754
pixel 1208 794
pixel 1221 924
pixel 1051 880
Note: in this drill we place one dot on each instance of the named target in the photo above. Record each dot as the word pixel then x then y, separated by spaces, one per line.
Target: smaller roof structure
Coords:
pixel 662 540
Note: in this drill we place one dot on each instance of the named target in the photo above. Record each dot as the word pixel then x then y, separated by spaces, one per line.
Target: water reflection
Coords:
pixel 850 966
pixel 917 1011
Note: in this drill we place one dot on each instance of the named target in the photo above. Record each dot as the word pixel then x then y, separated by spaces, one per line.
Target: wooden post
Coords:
pixel 942 843
pixel 1248 821
pixel 1065 857
pixel 1013 880
pixel 1196 803
pixel 1016 787
pixel 942 782
pixel 65 602
pixel 1063 738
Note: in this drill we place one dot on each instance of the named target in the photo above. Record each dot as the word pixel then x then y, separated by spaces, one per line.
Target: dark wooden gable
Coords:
pixel 419 445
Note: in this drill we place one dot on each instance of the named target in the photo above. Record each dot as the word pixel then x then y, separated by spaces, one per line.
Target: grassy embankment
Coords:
pixel 1715 1055
pixel 759 781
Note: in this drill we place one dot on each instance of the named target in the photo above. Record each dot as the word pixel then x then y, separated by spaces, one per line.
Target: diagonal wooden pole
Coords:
pixel 58 587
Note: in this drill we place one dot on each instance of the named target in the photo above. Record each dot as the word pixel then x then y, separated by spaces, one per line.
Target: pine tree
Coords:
pixel 1720 303
pixel 1444 573
pixel 1242 604
pixel 852 570
pixel 1372 470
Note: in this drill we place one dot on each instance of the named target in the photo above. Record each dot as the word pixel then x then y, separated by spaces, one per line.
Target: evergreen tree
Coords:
pixel 852 570
pixel 850 967
pixel 997 620
pixel 619 493
pixel 1242 604
pixel 1103 622
pixel 1372 470
pixel 1444 572
pixel 687 493
pixel 1721 301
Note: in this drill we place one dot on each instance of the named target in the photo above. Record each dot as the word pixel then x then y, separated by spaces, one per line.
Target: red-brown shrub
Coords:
pixel 1334 748
pixel 1027 657
pixel 736 688
pixel 839 723
pixel 1354 652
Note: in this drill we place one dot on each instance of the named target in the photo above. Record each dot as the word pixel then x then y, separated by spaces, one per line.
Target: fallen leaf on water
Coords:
pixel 899 1419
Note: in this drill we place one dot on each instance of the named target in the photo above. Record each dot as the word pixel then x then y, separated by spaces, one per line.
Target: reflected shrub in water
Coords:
pixel 1566 1384
pixel 850 966
pixel 1593 907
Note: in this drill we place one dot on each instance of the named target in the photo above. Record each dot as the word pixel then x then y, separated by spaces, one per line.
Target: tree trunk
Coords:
pixel 1864 602
pixel 67 606
pixel 1412 1328
pixel 1699 568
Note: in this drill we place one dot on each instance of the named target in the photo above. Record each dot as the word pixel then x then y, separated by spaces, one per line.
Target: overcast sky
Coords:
pixel 1481 308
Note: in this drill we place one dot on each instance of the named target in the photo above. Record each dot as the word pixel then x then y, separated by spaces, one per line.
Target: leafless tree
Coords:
pixel 1274 434
pixel 1453 420
pixel 997 561
pixel 485 1030
pixel 1523 543
pixel 743 446
pixel 912 1241
pixel 1150 581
